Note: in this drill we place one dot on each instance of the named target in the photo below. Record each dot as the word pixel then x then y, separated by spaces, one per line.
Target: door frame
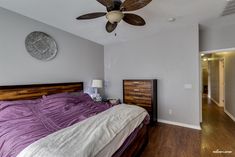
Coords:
pixel 222 90
pixel 200 75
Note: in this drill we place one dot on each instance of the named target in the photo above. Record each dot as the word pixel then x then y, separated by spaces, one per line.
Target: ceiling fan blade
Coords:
pixel 111 27
pixel 91 16
pixel 132 5
pixel 134 19
pixel 109 4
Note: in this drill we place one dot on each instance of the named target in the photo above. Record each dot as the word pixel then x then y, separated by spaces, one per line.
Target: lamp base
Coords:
pixel 98 98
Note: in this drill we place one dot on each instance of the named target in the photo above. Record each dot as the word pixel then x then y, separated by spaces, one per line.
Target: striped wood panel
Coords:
pixel 25 92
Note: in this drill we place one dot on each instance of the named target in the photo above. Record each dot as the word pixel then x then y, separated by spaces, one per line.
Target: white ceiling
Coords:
pixel 62 14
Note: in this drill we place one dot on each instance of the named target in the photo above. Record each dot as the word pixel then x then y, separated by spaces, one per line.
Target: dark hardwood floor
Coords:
pixel 218 133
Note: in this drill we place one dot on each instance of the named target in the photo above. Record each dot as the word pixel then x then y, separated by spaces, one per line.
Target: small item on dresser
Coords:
pixel 112 101
pixel 115 101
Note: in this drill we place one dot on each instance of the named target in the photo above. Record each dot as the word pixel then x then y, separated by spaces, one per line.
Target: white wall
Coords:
pixel 230 83
pixel 77 60
pixel 171 57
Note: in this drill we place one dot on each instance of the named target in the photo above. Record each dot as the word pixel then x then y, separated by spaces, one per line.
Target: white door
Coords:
pixel 221 83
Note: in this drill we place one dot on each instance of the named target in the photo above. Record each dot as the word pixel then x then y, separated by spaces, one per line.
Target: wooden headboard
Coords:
pixel 24 92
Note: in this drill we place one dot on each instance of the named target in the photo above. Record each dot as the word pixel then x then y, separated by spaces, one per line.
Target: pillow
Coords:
pixel 61 95
pixel 81 97
pixel 18 102
pixel 57 95
pixel 57 103
pixel 16 109
pixel 75 93
pixel 84 97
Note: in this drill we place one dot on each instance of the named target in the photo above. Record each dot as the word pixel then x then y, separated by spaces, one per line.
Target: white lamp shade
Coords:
pixel 114 16
pixel 97 83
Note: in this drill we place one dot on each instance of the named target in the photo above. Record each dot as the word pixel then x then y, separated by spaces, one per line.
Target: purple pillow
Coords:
pixel 16 109
pixel 18 102
pixel 81 97
pixel 58 103
pixel 84 97
pixel 57 95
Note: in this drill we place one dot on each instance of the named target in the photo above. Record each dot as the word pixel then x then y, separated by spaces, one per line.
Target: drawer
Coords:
pixel 139 84
pixel 137 98
pixel 138 101
pixel 138 94
pixel 137 89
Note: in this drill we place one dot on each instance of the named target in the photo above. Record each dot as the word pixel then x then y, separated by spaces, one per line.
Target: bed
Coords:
pixel 60 120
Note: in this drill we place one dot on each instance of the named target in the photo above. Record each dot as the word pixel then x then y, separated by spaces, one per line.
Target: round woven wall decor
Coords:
pixel 41 46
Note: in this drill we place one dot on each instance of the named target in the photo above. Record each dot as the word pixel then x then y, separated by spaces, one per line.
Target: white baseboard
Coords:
pixel 180 124
pixel 216 102
pixel 230 115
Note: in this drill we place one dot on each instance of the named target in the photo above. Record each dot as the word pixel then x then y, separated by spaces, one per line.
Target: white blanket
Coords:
pixel 89 138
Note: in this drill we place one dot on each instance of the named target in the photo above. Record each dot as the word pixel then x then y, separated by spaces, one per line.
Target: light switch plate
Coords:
pixel 188 86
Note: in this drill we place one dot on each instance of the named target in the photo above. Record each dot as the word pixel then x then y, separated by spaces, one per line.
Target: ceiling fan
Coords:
pixel 114 14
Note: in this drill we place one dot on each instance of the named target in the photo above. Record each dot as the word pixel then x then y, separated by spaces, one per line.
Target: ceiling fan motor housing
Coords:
pixel 114 16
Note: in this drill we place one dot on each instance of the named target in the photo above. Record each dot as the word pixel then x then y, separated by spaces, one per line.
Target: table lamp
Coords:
pixel 97 84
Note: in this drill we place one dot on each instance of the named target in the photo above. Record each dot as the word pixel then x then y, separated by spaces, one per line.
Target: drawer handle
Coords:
pixel 136 82
pixel 136 90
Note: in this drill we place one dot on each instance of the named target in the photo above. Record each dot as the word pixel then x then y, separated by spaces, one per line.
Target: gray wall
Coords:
pixel 171 57
pixel 77 60
pixel 214 79
pixel 230 83
pixel 217 36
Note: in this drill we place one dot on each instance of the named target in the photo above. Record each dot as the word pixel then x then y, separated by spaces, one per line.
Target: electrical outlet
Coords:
pixel 170 111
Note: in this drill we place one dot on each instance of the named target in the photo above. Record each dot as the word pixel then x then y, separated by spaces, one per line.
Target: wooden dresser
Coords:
pixel 142 93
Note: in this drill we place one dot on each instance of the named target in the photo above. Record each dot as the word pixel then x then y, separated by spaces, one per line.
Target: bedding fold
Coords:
pixel 89 137
pixel 24 122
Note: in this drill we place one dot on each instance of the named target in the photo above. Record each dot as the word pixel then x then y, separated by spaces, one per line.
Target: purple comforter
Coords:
pixel 24 122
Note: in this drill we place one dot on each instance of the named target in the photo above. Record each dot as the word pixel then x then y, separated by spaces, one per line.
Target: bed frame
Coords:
pixel 138 144
pixel 34 91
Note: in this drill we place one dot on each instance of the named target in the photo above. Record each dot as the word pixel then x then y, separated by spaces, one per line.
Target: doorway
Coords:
pixel 218 103
pixel 218 80
pixel 213 77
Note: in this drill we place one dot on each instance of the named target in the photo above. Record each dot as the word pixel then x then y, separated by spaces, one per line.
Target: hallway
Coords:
pixel 218 131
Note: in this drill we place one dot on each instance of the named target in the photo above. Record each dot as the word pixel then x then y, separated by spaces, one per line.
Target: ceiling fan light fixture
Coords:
pixel 114 16
pixel 115 13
